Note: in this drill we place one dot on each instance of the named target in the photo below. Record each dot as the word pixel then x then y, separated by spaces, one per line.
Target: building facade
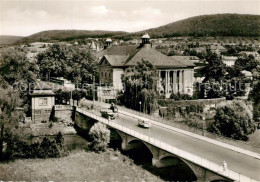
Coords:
pixel 175 75
pixel 42 100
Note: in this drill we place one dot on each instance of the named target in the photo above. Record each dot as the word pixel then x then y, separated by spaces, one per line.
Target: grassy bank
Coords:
pixel 78 165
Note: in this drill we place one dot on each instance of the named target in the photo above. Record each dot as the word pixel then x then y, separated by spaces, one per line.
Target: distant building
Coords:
pixel 65 84
pixel 229 60
pixel 217 49
pixel 247 74
pixel 174 76
pixel 42 100
pixel 253 53
pixel 188 59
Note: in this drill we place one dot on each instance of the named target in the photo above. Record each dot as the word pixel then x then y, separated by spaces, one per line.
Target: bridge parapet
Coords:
pixel 216 168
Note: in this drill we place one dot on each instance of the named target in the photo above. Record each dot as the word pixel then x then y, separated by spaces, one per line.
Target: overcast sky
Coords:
pixel 25 17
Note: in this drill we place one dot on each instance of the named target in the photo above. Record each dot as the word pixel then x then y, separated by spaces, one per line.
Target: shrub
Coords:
pixel 234 121
pixel 17 148
pixel 100 136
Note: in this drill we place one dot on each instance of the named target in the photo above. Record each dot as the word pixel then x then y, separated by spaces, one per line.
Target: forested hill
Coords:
pixel 206 25
pixel 8 39
pixel 69 35
pixel 209 25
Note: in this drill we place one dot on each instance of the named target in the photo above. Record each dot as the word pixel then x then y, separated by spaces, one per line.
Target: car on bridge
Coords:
pixel 107 113
pixel 144 123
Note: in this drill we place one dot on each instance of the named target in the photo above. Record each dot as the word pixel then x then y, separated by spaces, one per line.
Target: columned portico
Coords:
pixel 173 81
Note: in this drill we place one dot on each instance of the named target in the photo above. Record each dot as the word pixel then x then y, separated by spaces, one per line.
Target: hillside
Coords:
pixel 208 25
pixel 68 35
pixel 8 39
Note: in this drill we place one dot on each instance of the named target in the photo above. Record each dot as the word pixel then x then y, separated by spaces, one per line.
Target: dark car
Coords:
pixel 108 114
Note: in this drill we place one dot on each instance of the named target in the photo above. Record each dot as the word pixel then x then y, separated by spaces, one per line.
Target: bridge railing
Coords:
pixel 171 149
pixel 237 143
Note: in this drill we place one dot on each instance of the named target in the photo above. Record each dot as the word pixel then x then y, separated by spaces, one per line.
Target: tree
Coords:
pixel 100 136
pixel 9 116
pixel 234 121
pixel 140 86
pixel 74 63
pixel 14 67
pixel 215 69
pixel 246 63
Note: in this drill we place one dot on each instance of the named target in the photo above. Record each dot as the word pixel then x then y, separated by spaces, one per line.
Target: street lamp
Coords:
pixel 204 125
pixel 140 103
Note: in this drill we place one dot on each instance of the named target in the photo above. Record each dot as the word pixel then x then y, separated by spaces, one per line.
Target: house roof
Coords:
pixel 146 36
pixel 114 60
pixel 215 47
pixel 109 40
pixel 154 57
pixel 42 86
pixel 42 89
pixel 93 46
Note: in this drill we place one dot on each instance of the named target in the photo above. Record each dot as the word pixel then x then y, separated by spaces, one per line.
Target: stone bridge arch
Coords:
pixel 159 155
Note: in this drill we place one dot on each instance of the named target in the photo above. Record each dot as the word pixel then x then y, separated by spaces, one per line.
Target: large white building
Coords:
pixel 174 75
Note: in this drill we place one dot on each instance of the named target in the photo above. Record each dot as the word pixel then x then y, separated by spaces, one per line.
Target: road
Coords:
pixel 238 162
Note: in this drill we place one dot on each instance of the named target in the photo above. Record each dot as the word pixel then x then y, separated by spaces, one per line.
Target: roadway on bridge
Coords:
pixel 238 162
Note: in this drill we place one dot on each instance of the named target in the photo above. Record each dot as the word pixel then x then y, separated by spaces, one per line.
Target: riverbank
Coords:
pixel 78 165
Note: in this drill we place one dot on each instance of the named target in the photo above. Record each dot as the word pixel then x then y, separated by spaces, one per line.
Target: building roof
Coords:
pixel 146 36
pixel 185 59
pixel 108 40
pixel 229 58
pixel 247 73
pixel 93 46
pixel 42 89
pixel 115 60
pixel 215 47
pixel 156 58
pixel 123 50
pixel 42 86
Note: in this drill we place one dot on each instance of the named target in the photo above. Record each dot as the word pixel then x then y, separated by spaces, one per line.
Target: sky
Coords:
pixel 26 17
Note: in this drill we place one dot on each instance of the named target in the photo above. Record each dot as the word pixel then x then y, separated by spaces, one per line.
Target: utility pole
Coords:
pixel 93 91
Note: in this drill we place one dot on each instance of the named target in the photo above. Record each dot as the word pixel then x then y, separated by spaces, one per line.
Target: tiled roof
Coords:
pixel 123 50
pixel 116 60
pixel 184 59
pixel 154 57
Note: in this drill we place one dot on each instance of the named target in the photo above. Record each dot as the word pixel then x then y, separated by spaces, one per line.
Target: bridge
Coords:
pixel 168 147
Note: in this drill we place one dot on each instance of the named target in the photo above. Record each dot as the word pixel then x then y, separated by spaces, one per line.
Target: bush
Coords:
pixel 179 96
pixel 17 148
pixel 234 121
pixel 100 136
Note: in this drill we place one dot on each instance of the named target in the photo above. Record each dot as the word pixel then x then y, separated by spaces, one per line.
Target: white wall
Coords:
pixel 36 105
pixel 188 81
pixel 117 81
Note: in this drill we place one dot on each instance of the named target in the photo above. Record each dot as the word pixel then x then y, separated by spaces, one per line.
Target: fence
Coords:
pixel 62 107
pixel 171 149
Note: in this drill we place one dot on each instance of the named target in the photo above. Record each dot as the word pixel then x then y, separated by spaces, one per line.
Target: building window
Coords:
pixel 101 74
pixel 105 75
pixel 37 112
pixel 47 111
pixel 43 101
